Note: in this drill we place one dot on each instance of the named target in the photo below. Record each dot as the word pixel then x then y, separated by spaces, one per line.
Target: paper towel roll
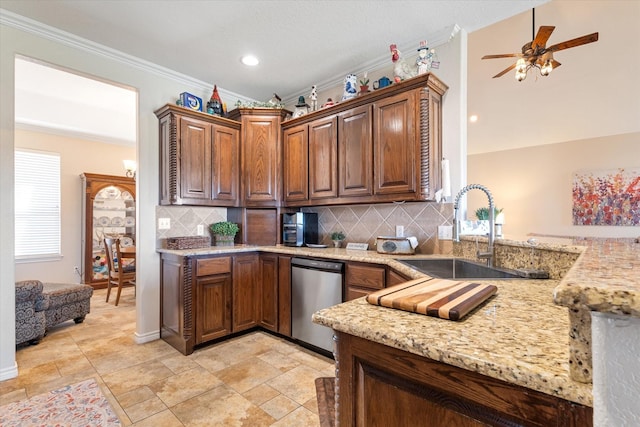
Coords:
pixel 446 179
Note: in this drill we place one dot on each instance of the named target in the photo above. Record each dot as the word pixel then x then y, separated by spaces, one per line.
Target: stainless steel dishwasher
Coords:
pixel 315 285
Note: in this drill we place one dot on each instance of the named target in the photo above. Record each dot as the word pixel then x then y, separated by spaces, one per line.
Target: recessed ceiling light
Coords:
pixel 473 118
pixel 250 60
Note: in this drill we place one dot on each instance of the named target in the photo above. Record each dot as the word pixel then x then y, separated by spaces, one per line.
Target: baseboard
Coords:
pixel 148 337
pixel 10 372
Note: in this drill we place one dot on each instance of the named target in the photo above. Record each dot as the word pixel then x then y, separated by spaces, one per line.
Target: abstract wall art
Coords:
pixel 607 197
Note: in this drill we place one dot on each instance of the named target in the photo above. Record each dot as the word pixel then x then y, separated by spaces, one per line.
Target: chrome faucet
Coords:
pixel 488 255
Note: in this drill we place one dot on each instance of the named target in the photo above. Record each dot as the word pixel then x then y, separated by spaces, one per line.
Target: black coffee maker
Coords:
pixel 299 228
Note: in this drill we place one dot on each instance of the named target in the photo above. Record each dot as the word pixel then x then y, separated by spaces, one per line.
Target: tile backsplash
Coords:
pixel 360 223
pixel 363 223
pixel 185 220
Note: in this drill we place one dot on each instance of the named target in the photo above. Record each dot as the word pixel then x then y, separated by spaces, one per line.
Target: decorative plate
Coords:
pixel 311 245
pixel 129 221
pixel 126 195
pixel 109 193
pixel 117 221
pixel 126 241
pixel 104 221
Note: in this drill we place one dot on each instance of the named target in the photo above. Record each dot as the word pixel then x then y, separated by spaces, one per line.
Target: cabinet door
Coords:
pixel 225 160
pixel 362 279
pixel 213 307
pixel 323 158
pixel 260 138
pixel 269 299
pixel 355 158
pixel 394 142
pixel 246 292
pixel 296 170
pixel 195 160
pixel 284 295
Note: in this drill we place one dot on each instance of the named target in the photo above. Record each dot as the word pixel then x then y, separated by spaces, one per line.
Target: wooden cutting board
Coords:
pixel 443 298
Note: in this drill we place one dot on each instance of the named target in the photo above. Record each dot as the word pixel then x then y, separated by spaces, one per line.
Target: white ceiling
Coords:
pixel 299 43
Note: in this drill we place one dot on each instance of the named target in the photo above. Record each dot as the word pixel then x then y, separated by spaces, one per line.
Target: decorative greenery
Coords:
pixel 258 104
pixel 364 82
pixel 483 213
pixel 337 235
pixel 224 228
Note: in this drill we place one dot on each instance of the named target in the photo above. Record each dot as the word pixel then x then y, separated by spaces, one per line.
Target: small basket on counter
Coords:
pixel 188 242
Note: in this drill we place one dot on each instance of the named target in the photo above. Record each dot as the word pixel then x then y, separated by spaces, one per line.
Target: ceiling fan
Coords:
pixel 536 54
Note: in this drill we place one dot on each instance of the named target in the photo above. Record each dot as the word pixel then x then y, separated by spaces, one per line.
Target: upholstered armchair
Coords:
pixel 30 312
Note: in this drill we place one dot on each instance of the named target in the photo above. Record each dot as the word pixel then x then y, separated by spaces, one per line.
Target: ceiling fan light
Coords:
pixel 521 75
pixel 546 68
pixel 521 66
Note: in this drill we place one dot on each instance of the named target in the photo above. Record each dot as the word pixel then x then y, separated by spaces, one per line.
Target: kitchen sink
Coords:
pixel 455 268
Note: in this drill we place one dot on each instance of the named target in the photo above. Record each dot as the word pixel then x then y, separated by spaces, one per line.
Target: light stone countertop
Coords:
pixel 605 278
pixel 520 335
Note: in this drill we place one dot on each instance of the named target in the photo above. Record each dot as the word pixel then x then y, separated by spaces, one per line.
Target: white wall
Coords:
pixel 534 184
pixel 616 379
pixel 155 88
pixel 77 156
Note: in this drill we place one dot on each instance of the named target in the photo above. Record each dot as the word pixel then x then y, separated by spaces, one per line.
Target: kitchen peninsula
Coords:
pixel 516 344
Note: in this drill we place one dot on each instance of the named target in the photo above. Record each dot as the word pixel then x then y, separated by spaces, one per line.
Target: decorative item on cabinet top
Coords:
pixel 187 242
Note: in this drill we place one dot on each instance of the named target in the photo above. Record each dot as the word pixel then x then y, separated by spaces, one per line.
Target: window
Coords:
pixel 37 205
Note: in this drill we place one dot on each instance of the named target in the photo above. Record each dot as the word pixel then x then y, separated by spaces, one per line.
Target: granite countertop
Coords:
pixel 521 335
pixel 605 278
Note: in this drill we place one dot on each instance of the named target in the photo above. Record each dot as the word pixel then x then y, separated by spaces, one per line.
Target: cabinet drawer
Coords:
pixel 209 266
pixel 365 276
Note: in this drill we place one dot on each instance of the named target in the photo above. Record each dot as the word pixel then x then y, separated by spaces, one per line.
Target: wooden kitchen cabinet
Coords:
pixel 361 279
pixel 355 160
pixel 389 147
pixel 284 295
pixel 268 314
pixel 383 386
pixel 246 291
pixel 310 162
pixel 260 155
pixel 394 144
pixel 199 158
pixel 213 288
pixel 394 278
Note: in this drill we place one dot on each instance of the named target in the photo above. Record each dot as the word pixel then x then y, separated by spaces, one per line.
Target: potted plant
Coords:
pixel 337 237
pixel 364 85
pixel 498 217
pixel 224 232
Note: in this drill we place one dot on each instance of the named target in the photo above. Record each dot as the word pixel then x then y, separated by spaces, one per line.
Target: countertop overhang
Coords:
pixel 521 335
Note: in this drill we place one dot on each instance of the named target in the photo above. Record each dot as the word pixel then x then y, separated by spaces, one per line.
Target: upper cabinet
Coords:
pixel 109 210
pixel 379 147
pixel 199 158
pixel 261 155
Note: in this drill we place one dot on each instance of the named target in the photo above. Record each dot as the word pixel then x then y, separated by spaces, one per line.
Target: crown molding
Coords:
pixel 39 29
pixel 436 39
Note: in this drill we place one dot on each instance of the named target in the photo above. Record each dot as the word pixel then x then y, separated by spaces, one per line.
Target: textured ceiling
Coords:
pixel 299 42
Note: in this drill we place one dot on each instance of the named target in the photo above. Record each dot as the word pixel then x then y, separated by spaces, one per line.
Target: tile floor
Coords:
pixel 253 380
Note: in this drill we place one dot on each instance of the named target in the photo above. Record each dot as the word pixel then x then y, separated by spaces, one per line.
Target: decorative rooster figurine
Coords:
pixel 401 71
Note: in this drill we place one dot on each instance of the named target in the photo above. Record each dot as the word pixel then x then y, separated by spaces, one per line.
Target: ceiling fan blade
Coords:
pixel 543 35
pixel 504 55
pixel 555 64
pixel 589 38
pixel 505 71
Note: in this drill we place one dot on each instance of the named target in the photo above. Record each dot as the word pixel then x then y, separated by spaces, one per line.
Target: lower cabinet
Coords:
pixel 268 314
pixel 213 307
pixel 361 279
pixel 246 292
pixel 379 385
pixel 209 297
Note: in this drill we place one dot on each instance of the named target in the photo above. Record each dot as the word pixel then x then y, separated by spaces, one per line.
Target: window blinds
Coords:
pixel 37 204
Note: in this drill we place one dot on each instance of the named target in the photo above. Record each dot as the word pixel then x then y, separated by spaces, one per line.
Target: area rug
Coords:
pixel 75 405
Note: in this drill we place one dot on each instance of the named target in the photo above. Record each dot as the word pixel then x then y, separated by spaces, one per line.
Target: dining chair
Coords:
pixel 122 267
